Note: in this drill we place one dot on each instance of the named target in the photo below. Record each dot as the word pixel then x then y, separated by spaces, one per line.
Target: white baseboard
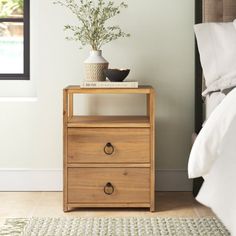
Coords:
pixel 30 180
pixel 51 180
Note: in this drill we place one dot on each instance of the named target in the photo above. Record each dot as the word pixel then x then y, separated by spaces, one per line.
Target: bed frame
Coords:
pixel 207 11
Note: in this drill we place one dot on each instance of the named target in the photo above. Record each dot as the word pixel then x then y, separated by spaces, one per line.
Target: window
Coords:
pixel 14 40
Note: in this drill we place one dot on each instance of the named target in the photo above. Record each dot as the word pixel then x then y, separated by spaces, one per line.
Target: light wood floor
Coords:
pixel 49 204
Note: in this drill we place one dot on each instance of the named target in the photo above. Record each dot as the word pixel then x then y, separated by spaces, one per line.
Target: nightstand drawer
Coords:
pixel 108 185
pixel 108 145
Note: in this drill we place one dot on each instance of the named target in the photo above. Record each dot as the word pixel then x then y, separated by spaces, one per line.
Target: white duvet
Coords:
pixel 213 156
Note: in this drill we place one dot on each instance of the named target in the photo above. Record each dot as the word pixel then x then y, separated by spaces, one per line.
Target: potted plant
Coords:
pixel 92 30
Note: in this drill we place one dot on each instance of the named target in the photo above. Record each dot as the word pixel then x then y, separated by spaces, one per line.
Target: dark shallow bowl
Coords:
pixel 116 75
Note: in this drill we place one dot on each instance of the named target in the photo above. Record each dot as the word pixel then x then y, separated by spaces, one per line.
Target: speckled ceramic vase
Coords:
pixel 94 66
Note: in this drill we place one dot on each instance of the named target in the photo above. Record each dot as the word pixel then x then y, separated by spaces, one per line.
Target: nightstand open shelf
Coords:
pixel 108 121
pixel 109 161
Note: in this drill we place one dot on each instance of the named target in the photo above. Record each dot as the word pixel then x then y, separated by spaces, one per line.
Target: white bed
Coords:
pixel 212 101
pixel 213 156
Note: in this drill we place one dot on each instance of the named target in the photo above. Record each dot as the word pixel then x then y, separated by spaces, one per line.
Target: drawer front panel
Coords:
pixel 108 185
pixel 108 145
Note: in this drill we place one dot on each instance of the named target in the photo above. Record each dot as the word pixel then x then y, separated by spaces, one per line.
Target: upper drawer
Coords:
pixel 108 145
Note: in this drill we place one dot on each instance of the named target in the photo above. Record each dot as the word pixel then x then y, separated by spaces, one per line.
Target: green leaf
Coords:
pixel 92 16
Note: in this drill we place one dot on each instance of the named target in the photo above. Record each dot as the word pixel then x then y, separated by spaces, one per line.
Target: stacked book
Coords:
pixel 108 84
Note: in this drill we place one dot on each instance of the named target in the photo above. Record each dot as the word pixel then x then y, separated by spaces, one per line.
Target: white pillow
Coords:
pixel 217 48
pixel 234 23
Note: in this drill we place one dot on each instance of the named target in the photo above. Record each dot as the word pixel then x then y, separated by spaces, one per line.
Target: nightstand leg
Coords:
pixel 65 208
pixel 152 208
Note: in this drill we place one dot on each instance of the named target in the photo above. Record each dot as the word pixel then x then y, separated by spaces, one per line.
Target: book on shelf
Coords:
pixel 108 84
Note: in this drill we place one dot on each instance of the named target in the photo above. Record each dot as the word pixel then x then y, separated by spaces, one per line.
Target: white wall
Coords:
pixel 159 53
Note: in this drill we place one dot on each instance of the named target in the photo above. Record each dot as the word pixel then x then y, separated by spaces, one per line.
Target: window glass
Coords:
pixel 11 48
pixel 14 39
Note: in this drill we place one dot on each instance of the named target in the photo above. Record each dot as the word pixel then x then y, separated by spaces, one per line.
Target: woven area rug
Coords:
pixel 135 226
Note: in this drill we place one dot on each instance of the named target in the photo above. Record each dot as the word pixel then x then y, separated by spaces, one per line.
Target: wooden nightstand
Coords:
pixel 109 161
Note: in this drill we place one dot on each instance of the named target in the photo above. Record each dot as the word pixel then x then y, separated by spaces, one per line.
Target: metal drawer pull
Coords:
pixel 108 149
pixel 108 188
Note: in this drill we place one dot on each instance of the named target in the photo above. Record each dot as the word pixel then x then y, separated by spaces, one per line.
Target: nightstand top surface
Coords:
pixel 142 89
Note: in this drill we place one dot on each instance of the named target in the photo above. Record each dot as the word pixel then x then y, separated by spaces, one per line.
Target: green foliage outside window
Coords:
pixel 9 8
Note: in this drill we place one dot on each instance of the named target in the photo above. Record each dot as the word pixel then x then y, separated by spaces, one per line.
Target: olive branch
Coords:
pixel 93 16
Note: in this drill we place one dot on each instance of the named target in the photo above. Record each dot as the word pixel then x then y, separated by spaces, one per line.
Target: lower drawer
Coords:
pixel 108 185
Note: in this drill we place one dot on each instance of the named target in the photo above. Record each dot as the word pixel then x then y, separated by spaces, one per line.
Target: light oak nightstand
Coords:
pixel 109 161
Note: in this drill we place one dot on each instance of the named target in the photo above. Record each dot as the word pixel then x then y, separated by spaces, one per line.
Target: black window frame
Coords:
pixel 26 21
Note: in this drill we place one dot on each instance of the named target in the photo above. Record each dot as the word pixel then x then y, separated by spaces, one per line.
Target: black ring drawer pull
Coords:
pixel 108 189
pixel 108 149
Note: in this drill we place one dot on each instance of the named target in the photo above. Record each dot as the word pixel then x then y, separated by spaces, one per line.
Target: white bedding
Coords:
pixel 213 156
pixel 212 100
pixel 217 49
